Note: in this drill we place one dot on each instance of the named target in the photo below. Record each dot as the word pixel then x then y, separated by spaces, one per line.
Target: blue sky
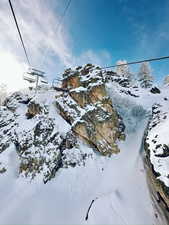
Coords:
pixel 126 29
pixel 119 26
pixel 96 31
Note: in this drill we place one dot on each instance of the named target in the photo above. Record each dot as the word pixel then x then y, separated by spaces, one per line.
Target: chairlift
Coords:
pixel 32 74
pixel 29 78
pixel 35 72
pixel 44 81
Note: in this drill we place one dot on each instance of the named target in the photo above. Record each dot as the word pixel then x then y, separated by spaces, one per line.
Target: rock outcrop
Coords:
pixel 7 124
pixel 29 124
pixel 33 110
pixel 156 146
pixel 28 127
pixel 89 110
pixel 155 90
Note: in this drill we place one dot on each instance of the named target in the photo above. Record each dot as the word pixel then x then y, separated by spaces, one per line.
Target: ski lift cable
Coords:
pixel 64 13
pixel 57 27
pixel 31 71
pixel 19 32
pixel 136 62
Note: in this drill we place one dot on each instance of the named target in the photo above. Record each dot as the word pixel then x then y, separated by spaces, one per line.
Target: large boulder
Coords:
pixel 89 110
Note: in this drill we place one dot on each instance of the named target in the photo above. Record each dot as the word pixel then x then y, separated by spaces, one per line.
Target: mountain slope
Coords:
pixel 81 186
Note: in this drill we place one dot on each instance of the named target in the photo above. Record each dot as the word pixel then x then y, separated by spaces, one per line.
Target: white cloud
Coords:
pixel 45 45
pixel 38 24
pixel 48 48
pixel 11 72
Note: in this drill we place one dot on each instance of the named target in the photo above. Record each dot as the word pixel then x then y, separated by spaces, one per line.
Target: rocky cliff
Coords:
pixel 26 122
pixel 73 132
pixel 29 124
pixel 156 146
pixel 89 109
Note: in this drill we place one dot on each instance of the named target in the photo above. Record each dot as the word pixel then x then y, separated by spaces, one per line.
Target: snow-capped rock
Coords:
pixel 88 108
pixel 31 125
pixel 157 150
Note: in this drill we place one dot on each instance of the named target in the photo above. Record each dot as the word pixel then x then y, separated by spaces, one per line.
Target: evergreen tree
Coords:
pixel 145 75
pixel 123 70
pixel 166 80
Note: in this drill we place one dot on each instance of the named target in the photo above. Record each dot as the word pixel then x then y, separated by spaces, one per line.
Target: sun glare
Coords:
pixel 11 72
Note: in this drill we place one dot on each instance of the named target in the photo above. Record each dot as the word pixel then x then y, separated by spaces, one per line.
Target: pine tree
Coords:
pixel 145 75
pixel 123 70
pixel 166 80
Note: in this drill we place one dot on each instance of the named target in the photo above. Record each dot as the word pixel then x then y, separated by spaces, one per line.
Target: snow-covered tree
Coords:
pixel 3 93
pixel 123 70
pixel 145 75
pixel 166 80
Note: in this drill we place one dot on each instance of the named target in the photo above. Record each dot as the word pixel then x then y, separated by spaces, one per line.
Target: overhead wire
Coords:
pixel 64 13
pixel 57 28
pixel 136 62
pixel 19 32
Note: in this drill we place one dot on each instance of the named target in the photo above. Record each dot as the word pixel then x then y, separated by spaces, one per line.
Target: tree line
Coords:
pixel 144 75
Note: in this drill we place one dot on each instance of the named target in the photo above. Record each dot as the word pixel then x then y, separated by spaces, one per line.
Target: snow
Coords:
pixel 94 73
pixel 79 89
pixel 117 184
pixel 9 160
pixel 133 110
pixel 126 198
pixel 158 136
pixel 47 99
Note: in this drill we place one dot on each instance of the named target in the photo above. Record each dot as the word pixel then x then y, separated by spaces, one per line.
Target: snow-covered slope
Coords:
pixel 87 188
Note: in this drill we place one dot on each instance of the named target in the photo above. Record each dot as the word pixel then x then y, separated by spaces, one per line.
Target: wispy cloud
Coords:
pixel 48 47
pixel 38 24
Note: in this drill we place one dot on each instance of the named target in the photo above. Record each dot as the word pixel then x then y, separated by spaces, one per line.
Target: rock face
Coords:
pixel 29 125
pixel 7 123
pixel 155 90
pixel 156 146
pixel 12 102
pixel 33 110
pixel 43 143
pixel 89 110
